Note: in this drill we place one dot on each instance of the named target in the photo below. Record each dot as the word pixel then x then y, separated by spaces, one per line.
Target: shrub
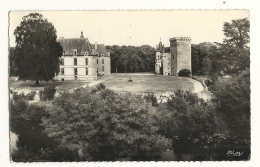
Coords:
pixel 101 87
pixel 30 96
pixel 17 97
pixel 21 96
pixel 150 97
pixel 184 73
pixel 48 93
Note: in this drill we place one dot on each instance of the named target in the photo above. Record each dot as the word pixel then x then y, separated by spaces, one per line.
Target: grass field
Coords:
pixel 148 83
pixel 119 82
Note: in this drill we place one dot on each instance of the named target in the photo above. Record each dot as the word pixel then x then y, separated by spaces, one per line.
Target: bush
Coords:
pixel 48 93
pixel 21 96
pixel 17 97
pixel 30 96
pixel 184 73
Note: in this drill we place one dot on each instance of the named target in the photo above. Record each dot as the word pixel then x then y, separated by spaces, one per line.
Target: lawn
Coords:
pixel 66 85
pixel 147 83
pixel 119 82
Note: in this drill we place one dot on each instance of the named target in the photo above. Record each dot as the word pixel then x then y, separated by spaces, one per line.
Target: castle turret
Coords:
pixel 157 62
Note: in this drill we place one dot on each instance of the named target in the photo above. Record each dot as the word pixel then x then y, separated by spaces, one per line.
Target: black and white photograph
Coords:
pixel 91 86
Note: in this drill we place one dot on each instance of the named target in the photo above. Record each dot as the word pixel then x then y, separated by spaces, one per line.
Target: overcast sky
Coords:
pixel 136 27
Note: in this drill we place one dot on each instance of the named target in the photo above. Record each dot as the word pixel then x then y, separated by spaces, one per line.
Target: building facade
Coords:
pixel 82 60
pixel 170 60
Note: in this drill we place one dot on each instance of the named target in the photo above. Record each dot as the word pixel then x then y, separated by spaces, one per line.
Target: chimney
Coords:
pixel 96 45
pixel 81 35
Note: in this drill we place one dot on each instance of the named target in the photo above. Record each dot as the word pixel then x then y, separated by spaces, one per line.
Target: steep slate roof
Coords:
pixel 69 44
pixel 160 47
pixel 101 49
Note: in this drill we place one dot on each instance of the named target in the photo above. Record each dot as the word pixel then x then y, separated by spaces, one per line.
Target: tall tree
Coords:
pixel 236 46
pixel 37 52
pixel 237 33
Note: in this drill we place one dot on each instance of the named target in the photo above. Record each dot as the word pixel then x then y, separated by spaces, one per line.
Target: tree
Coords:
pixel 12 68
pixel 191 123
pixel 37 52
pixel 233 96
pixel 139 59
pixel 123 60
pixel 237 33
pixel 235 44
pixel 33 145
pixel 105 125
pixel 201 57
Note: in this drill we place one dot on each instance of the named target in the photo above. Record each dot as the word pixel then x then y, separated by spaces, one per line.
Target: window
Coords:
pixel 103 68
pixel 64 52
pixel 75 52
pixel 75 61
pixel 97 69
pixel 75 71
pixel 62 71
pixel 62 61
pixel 102 61
pixel 86 71
pixel 86 61
pixel 97 61
pixel 168 64
pixel 86 53
pixel 172 56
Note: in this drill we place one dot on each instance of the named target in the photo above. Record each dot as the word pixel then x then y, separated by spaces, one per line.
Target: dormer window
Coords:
pixel 75 52
pixel 102 55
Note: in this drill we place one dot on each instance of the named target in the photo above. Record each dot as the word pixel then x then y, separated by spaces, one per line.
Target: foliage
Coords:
pixel 36 55
pixel 191 123
pixel 12 68
pixel 33 145
pixel 230 57
pixel 150 97
pixel 30 96
pixel 233 95
pixel 47 93
pixel 105 125
pixel 201 57
pixel 184 73
pixel 132 58
pixel 237 33
pixel 21 96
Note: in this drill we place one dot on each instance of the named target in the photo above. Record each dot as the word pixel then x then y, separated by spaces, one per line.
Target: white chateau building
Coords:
pixel 82 60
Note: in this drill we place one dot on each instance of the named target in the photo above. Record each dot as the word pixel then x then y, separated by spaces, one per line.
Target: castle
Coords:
pixel 82 60
pixel 170 60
